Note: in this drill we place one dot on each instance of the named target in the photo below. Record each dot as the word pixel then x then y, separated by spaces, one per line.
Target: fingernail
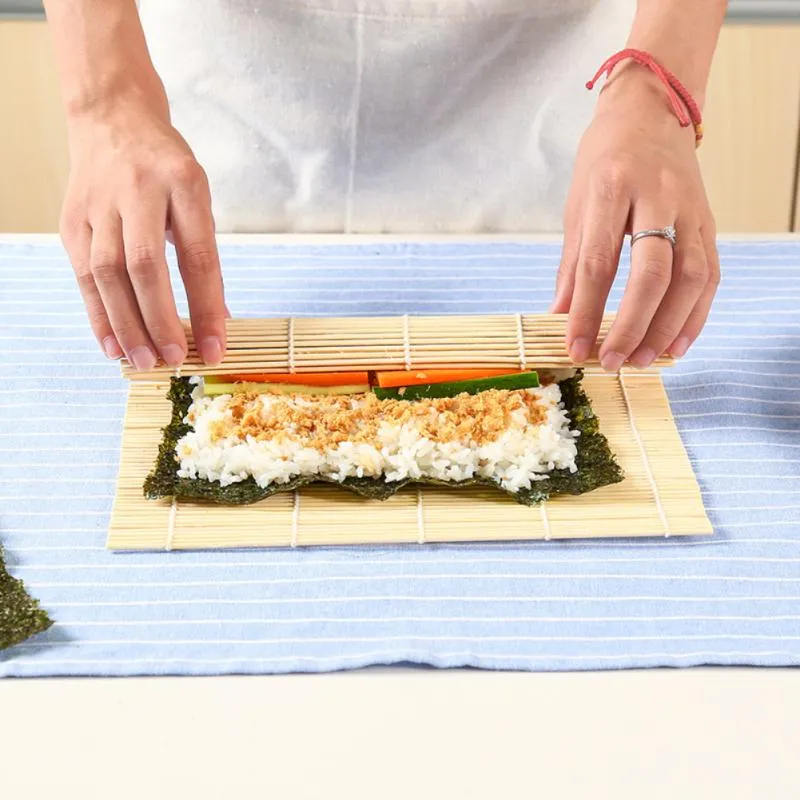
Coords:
pixel 142 358
pixel 173 354
pixel 679 347
pixel 611 362
pixel 581 350
pixel 111 348
pixel 211 351
pixel 644 358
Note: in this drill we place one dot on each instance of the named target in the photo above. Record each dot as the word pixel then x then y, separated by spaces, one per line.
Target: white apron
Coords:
pixel 384 115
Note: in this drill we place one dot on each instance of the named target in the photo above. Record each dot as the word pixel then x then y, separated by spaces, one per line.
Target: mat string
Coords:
pixel 295 517
pixel 173 509
pixel 645 459
pixel 523 361
pixel 420 519
pixel 407 342
pixel 546 522
pixel 173 513
pixel 290 345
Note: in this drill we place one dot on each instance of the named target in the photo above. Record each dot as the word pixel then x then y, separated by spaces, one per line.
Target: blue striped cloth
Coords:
pixel 733 599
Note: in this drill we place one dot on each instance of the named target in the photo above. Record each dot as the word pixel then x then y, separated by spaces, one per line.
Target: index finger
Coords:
pixel 598 257
pixel 198 259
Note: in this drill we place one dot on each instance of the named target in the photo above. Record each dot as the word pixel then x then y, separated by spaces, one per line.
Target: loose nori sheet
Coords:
pixel 20 615
pixel 595 461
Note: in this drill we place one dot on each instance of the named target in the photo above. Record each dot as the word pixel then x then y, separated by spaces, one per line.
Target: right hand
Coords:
pixel 133 179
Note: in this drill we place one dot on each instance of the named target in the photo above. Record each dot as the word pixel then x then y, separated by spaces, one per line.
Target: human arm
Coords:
pixel 132 178
pixel 637 169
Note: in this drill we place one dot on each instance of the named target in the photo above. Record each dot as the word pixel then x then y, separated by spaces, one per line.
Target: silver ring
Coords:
pixel 669 233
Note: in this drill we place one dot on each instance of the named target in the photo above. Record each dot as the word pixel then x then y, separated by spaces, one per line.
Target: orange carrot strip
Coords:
pixel 416 377
pixel 306 379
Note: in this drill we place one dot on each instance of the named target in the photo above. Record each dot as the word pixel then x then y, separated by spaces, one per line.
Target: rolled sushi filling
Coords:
pixel 513 438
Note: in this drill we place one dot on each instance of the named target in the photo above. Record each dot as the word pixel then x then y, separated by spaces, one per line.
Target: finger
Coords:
pixel 107 263
pixel 193 230
pixel 565 279
pixel 601 241
pixel 697 319
pixel 145 259
pixel 650 276
pixel 689 279
pixel 78 242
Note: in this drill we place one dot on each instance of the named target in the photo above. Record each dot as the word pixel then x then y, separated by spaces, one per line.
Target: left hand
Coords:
pixel 636 168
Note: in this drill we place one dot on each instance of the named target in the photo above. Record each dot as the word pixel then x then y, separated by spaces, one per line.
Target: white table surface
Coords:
pixel 384 734
pixel 402 733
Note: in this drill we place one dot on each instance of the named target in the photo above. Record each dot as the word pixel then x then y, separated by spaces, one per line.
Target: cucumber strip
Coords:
pixel 518 380
pixel 216 389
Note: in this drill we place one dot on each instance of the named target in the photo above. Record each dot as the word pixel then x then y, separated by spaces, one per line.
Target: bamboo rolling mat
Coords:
pixel 325 344
pixel 659 496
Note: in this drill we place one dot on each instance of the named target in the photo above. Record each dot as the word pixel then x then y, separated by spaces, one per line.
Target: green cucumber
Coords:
pixel 212 389
pixel 519 380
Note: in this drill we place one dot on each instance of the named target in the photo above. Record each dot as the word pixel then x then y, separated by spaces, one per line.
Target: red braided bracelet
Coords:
pixel 677 92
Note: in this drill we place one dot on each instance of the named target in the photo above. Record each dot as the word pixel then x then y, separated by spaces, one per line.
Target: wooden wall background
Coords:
pixel 749 158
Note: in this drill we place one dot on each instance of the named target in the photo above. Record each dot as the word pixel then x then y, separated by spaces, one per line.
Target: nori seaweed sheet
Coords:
pixel 596 463
pixel 20 615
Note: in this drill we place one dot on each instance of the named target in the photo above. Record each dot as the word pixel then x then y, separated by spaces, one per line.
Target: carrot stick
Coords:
pixel 306 379
pixel 416 377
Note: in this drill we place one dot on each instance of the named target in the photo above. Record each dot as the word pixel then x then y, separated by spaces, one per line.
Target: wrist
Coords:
pixel 112 114
pixel 636 92
pixel 102 99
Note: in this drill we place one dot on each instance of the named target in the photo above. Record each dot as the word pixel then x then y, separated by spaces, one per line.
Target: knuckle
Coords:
pixel 624 340
pixel 208 320
pixel 598 262
pixel 107 267
pixel 138 176
pixel 663 333
pixel 128 333
pixel 584 320
pixel 142 261
pixel 162 333
pixel 614 179
pixel 86 283
pixel 564 271
pixel 187 174
pixel 714 272
pixel 656 272
pixel 694 274
pixel 198 259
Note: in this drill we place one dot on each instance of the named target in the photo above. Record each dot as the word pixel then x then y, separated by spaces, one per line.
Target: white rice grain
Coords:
pixel 523 453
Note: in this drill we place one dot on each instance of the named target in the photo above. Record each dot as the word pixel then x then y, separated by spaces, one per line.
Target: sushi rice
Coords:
pixel 525 451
